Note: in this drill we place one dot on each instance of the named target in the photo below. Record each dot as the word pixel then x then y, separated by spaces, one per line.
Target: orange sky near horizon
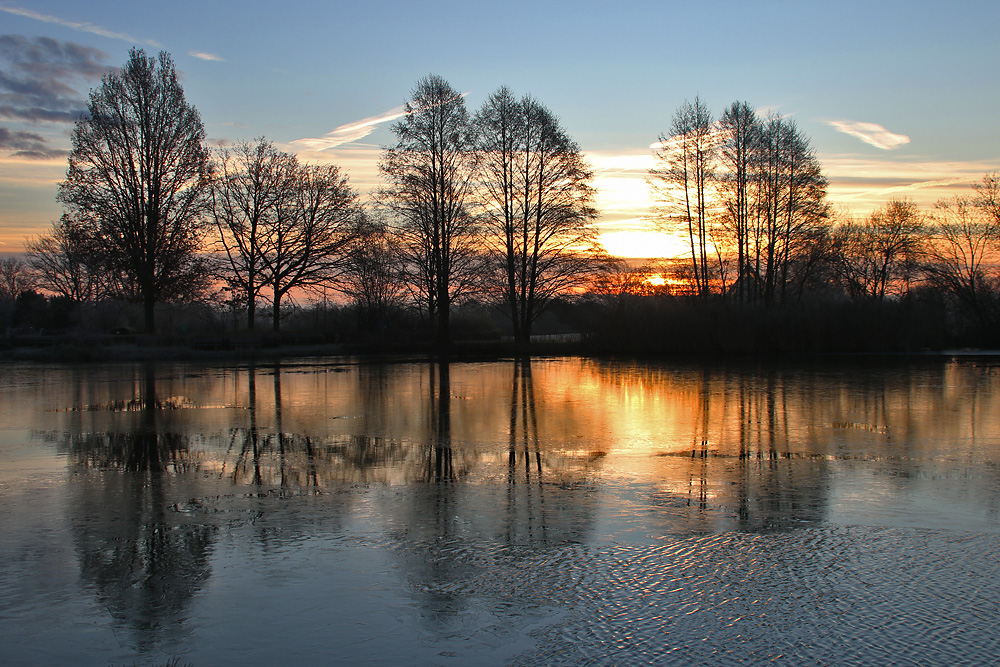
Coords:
pixel 858 184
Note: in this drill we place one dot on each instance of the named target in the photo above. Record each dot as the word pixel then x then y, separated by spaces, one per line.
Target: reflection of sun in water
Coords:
pixel 644 244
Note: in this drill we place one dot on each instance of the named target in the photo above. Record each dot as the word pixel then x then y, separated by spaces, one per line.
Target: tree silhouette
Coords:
pixel 536 195
pixel 137 179
pixel 429 174
pixel 67 262
pixel 250 182
pixel 682 180
pixel 315 229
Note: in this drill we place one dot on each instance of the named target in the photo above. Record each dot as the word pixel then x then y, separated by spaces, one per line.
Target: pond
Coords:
pixel 545 512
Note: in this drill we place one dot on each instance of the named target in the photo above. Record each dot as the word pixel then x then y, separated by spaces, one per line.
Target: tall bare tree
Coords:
pixel 251 182
pixel 536 197
pixel 682 181
pixel 310 242
pixel 429 172
pixel 740 131
pixel 137 178
pixel 773 200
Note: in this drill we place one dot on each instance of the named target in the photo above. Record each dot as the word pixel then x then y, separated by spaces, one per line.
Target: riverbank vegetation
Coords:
pixel 482 237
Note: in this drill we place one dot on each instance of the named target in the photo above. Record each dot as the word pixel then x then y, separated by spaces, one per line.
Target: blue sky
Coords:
pixel 900 99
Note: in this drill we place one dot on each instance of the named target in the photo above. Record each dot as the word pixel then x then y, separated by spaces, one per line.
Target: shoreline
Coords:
pixel 135 348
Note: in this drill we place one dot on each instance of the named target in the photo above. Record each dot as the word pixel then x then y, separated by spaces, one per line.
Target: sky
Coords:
pixel 899 99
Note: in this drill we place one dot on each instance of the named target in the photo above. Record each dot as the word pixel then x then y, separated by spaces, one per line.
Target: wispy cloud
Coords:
pixel 870 133
pixel 81 26
pixel 349 132
pixel 864 183
pixel 201 55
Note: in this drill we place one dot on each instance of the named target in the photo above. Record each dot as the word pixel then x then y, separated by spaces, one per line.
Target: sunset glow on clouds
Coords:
pixel 347 133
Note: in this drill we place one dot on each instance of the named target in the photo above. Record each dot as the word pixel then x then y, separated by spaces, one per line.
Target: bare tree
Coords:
pixel 880 255
pixel 682 180
pixel 372 279
pixel 67 262
pixel 250 184
pixel 800 207
pixel 536 197
pixel 429 174
pixel 962 249
pixel 744 186
pixel 987 197
pixel 15 277
pixel 741 132
pixel 310 241
pixel 137 179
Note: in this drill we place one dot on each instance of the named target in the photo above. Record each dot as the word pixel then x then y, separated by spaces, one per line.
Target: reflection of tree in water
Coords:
pixel 452 532
pixel 273 458
pixel 743 470
pixel 144 561
pixel 440 460
pixel 535 510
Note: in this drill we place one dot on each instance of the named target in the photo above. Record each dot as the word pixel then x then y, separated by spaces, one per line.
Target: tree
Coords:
pixel 773 202
pixel 67 262
pixel 879 256
pixel 251 182
pixel 682 180
pixel 746 186
pixel 429 174
pixel 741 132
pixel 536 197
pixel 962 249
pixel 137 180
pixel 15 277
pixel 314 230
pixel 372 276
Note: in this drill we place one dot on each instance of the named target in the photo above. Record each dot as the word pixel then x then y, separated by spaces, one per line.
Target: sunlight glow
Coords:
pixel 644 244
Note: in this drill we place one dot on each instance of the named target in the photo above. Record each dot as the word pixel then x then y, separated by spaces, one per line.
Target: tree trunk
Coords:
pixel 149 308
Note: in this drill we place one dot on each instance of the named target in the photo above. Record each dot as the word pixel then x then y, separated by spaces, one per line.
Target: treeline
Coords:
pixel 488 214
pixel 772 267
pixel 490 208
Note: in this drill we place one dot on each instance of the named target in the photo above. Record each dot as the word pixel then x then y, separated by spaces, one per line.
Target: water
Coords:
pixel 566 511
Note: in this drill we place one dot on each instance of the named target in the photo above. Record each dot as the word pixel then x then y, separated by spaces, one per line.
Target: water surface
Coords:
pixel 562 511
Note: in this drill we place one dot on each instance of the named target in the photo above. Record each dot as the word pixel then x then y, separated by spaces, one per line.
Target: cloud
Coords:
pixel 39 78
pixel 348 133
pixel 864 183
pixel 80 26
pixel 28 145
pixel 201 55
pixel 870 133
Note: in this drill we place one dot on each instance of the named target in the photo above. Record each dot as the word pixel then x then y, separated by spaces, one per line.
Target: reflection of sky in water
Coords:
pixel 485 510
